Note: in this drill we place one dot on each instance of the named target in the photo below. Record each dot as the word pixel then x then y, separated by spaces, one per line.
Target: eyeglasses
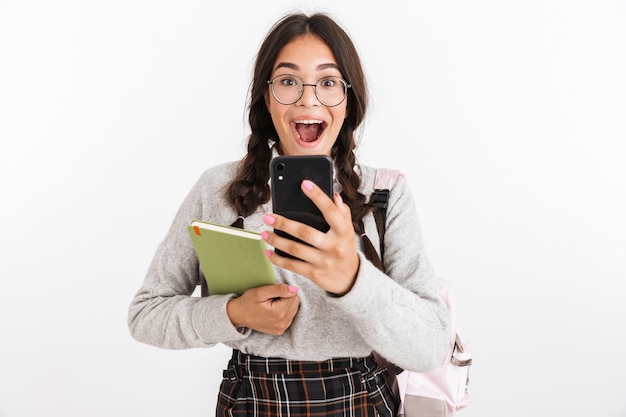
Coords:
pixel 288 89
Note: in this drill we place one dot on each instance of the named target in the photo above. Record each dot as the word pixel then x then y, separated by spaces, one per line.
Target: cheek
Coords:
pixel 340 114
pixel 274 108
pixel 276 113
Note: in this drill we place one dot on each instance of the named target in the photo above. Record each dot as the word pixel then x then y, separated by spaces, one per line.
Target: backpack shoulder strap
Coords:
pixel 384 181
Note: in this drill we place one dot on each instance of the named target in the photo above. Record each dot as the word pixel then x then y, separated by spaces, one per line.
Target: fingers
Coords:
pixel 334 211
pixel 268 292
pixel 277 309
pixel 300 231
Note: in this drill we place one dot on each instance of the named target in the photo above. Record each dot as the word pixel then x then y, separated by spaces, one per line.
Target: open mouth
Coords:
pixel 309 130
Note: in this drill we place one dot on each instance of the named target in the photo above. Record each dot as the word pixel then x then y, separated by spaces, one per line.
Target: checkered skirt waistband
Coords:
pixel 259 364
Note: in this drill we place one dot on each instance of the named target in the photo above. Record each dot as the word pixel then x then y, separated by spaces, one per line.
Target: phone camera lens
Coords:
pixel 280 167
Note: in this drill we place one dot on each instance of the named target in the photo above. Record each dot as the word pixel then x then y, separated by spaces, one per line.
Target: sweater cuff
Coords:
pixel 212 323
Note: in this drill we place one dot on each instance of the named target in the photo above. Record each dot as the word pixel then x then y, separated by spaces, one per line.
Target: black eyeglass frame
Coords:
pixel 346 86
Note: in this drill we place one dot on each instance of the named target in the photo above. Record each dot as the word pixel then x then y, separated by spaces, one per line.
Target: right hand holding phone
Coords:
pixel 328 258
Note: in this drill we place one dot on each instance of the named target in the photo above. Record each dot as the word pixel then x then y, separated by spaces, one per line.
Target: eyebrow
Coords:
pixel 295 67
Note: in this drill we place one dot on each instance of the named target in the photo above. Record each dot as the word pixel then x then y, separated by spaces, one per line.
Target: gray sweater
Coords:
pixel 398 314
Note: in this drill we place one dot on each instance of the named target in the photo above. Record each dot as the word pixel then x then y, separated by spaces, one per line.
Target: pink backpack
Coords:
pixel 444 390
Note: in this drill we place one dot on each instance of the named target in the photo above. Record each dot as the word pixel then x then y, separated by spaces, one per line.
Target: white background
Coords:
pixel 507 117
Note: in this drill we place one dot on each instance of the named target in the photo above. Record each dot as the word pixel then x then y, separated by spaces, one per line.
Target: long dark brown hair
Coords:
pixel 250 188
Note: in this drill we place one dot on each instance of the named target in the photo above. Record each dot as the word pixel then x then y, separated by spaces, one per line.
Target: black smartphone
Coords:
pixel 287 174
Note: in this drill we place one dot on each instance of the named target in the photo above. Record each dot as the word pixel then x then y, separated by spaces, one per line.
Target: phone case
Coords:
pixel 287 173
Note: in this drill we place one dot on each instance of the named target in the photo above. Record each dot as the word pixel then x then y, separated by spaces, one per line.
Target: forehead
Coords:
pixel 306 53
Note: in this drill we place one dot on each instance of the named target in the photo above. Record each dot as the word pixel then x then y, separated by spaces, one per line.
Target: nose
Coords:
pixel 308 97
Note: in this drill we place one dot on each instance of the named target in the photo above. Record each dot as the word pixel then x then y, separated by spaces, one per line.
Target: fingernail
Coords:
pixel 293 289
pixel 269 219
pixel 265 235
pixel 268 253
pixel 339 197
pixel 307 185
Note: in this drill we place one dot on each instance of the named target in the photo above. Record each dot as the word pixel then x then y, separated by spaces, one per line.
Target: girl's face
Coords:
pixel 306 127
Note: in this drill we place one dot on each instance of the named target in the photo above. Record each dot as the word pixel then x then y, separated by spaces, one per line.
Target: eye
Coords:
pixel 288 81
pixel 329 82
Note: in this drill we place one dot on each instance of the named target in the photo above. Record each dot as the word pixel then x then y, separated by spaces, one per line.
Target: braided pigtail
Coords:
pixel 368 248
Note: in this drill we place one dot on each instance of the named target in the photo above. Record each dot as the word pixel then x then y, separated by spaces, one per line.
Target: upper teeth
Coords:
pixel 309 122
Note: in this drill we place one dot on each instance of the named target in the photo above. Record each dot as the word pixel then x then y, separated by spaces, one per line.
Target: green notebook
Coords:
pixel 231 259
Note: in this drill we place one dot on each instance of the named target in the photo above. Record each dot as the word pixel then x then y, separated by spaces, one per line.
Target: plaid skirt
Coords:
pixel 258 386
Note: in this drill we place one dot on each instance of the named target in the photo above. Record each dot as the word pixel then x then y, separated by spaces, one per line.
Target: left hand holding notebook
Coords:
pixel 268 309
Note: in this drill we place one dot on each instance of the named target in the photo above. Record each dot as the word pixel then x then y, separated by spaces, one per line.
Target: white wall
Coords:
pixel 508 118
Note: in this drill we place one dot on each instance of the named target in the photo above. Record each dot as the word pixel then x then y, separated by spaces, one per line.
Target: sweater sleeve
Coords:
pixel 163 312
pixel 399 312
